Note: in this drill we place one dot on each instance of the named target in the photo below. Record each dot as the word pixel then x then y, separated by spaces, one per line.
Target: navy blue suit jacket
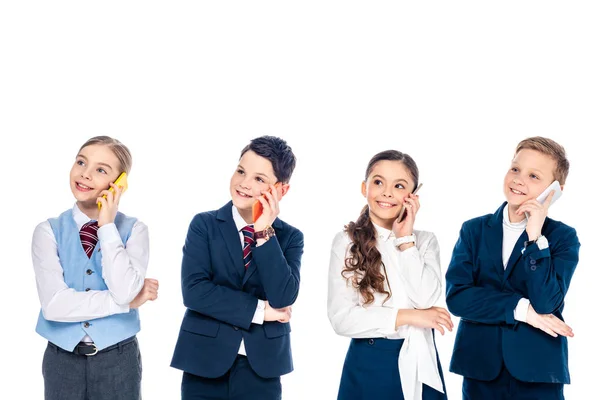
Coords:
pixel 221 297
pixel 484 295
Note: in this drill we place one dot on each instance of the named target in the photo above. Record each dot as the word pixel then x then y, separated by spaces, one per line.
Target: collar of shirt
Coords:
pixel 384 234
pixel 237 219
pixel 515 226
pixel 79 217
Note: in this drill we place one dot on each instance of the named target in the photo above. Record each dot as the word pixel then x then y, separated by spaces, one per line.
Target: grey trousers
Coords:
pixel 113 374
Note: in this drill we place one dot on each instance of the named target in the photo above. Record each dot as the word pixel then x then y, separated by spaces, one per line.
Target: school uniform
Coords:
pixel 225 348
pixel 384 362
pixel 86 278
pixel 492 278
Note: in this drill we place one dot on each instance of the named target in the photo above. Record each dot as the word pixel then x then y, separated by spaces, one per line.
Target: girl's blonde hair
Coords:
pixel 119 149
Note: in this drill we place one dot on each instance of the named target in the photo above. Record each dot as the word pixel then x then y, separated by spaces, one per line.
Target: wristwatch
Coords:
pixel 266 234
pixel 405 239
pixel 541 241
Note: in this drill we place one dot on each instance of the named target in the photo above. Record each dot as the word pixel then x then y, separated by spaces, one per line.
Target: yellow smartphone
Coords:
pixel 403 209
pixel 120 181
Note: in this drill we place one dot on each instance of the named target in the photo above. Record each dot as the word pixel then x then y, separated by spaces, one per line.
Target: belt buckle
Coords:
pixel 95 351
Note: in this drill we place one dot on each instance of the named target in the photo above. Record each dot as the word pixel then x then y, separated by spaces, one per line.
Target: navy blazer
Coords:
pixel 221 297
pixel 484 295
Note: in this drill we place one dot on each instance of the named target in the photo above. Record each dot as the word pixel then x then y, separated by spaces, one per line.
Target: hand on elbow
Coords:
pixel 434 317
pixel 548 323
pixel 277 314
pixel 149 292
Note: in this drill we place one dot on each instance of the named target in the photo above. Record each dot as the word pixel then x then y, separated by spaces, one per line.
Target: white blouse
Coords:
pixel 414 278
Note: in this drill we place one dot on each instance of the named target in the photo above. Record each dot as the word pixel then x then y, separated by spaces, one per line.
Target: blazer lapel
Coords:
pixel 277 225
pixel 494 241
pixel 231 237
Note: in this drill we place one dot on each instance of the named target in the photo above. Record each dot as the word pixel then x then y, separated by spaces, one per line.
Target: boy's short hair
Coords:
pixel 278 152
pixel 552 149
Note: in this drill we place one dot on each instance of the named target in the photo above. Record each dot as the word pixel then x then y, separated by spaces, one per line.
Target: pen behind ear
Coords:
pixel 403 209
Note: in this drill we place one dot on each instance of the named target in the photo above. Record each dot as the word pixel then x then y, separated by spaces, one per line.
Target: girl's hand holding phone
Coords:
pixel 270 207
pixel 109 204
pixel 404 227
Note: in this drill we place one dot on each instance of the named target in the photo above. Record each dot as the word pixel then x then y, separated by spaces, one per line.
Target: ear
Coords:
pixel 363 188
pixel 284 189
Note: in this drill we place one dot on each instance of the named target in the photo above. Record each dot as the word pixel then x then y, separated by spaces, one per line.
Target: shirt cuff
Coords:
pixel 114 308
pixel 108 233
pixel 259 314
pixel 521 310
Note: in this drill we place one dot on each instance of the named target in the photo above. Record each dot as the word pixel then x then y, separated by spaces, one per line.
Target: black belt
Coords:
pixel 90 349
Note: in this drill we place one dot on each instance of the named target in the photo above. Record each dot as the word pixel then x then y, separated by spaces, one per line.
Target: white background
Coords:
pixel 187 84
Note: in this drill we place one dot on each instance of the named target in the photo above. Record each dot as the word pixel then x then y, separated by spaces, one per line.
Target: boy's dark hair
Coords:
pixel 278 152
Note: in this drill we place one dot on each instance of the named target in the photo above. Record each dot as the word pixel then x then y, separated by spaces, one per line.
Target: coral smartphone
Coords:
pixel 120 181
pixel 257 207
pixel 557 193
pixel 403 209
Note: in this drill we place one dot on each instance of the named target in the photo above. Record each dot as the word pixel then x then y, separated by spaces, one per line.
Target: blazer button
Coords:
pixel 532 262
pixel 89 272
pixel 371 341
pixel 87 289
pixel 533 268
pixel 86 324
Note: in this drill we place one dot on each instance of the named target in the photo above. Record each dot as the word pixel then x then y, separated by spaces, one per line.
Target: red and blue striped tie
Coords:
pixel 89 237
pixel 248 232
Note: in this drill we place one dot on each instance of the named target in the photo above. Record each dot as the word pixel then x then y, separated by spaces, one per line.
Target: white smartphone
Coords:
pixel 557 193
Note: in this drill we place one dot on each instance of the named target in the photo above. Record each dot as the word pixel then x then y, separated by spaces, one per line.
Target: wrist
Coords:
pixel 402 240
pixel 262 235
pixel 533 235
pixel 402 317
pixel 405 246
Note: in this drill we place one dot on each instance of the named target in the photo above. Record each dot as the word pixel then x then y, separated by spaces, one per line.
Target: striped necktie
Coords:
pixel 248 232
pixel 89 237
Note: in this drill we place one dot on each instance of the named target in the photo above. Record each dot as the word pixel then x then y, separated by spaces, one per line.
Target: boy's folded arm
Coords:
pixel 124 267
pixel 58 301
pixel 485 305
pixel 200 293
pixel 550 271
pixel 279 271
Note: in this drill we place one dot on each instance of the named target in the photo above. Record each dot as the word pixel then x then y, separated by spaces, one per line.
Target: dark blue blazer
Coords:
pixel 221 297
pixel 484 295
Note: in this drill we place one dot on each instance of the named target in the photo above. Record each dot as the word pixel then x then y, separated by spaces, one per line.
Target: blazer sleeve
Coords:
pixel 465 299
pixel 279 270
pixel 549 271
pixel 200 293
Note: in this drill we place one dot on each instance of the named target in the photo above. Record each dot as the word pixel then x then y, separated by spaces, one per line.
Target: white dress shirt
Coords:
pixel 511 231
pixel 414 278
pixel 259 314
pixel 123 270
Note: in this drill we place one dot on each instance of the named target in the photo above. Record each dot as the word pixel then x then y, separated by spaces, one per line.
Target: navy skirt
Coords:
pixel 371 372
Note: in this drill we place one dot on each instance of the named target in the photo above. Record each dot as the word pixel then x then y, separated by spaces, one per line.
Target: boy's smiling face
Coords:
pixel 530 173
pixel 253 175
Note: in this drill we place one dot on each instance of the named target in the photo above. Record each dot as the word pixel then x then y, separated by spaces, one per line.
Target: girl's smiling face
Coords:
pixel 95 167
pixel 387 185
